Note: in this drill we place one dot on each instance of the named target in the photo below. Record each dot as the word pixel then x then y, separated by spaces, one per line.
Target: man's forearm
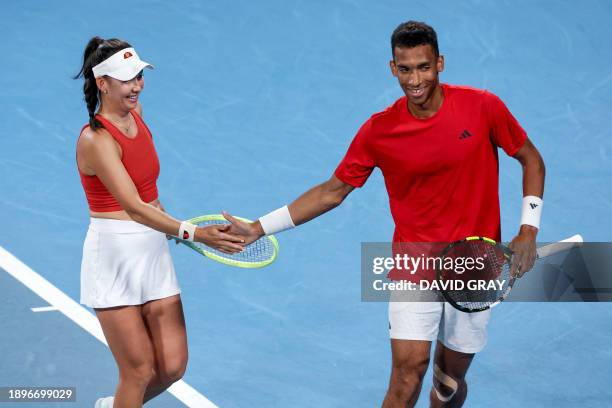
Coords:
pixel 316 201
pixel 533 178
pixel 534 173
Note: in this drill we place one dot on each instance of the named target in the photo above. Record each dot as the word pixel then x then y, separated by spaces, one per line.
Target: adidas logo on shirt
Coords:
pixel 465 134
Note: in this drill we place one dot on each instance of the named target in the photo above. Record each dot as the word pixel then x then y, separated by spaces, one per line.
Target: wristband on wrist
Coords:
pixel 277 221
pixel 187 231
pixel 532 211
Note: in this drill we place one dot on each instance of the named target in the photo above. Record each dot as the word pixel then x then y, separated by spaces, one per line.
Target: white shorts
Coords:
pixel 459 331
pixel 125 263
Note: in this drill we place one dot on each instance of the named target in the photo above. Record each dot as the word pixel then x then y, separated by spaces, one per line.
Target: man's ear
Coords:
pixel 440 63
pixel 393 68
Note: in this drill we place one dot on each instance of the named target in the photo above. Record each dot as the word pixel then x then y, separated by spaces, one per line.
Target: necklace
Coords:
pixel 124 128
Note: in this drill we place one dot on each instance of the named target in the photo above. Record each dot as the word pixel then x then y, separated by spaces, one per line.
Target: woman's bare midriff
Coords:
pixel 118 215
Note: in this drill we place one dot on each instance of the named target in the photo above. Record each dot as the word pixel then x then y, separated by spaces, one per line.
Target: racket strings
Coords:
pixel 496 269
pixel 259 251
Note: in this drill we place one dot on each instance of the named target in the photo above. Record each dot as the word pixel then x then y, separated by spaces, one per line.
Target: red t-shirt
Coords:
pixel 441 173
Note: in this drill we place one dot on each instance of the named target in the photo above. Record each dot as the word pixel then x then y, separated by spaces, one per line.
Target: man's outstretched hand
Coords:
pixel 248 231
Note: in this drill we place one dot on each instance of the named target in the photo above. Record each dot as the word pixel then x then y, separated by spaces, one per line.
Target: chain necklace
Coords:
pixel 125 129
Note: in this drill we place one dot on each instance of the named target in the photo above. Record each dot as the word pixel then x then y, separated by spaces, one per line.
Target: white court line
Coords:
pixel 84 318
pixel 43 309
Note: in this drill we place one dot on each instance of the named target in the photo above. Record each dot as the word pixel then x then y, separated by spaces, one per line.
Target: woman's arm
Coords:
pixel 101 155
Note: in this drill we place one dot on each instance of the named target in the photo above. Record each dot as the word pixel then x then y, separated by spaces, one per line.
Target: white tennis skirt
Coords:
pixel 125 263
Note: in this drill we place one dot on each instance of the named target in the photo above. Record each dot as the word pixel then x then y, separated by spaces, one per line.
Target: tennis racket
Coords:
pixel 255 255
pixel 489 281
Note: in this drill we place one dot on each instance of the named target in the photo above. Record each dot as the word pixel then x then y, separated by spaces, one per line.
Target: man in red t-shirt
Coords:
pixel 437 148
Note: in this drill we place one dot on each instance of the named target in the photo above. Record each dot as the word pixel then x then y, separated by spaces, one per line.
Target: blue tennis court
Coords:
pixel 251 104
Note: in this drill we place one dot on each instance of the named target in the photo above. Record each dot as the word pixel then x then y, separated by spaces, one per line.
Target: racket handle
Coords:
pixel 564 245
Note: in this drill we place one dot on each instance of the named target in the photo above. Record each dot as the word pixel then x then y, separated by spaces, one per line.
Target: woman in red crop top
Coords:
pixel 127 274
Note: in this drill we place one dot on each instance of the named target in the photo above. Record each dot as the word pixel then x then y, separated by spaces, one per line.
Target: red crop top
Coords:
pixel 140 160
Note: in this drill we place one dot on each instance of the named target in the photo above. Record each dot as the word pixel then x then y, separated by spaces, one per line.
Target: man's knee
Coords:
pixel 410 372
pixel 445 385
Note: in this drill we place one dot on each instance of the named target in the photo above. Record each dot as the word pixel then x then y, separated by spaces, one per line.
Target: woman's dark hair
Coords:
pixel 412 34
pixel 96 51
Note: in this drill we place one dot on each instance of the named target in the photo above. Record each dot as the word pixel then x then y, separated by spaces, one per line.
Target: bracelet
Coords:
pixel 532 211
pixel 187 231
pixel 277 221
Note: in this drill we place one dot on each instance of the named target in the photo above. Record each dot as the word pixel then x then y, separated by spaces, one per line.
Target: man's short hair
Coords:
pixel 412 34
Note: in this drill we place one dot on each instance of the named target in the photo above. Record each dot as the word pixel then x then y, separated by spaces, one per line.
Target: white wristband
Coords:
pixel 187 231
pixel 277 221
pixel 532 211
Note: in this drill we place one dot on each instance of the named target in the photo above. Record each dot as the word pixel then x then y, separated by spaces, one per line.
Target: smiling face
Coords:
pixel 417 70
pixel 121 95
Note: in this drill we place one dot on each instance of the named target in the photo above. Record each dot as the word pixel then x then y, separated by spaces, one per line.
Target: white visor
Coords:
pixel 122 65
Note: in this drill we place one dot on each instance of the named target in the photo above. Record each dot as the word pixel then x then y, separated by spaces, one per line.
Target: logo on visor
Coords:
pixel 127 55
